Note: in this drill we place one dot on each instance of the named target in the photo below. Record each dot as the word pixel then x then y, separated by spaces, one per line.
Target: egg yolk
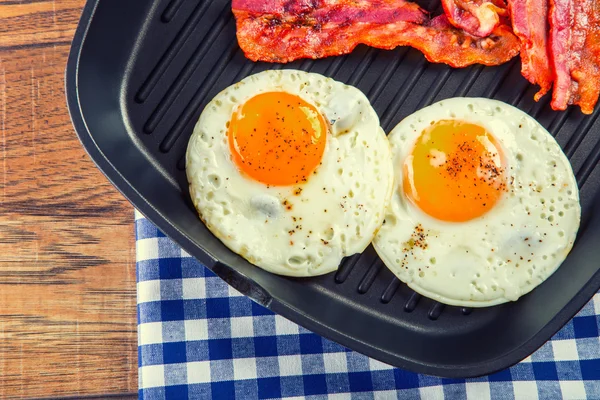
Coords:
pixel 455 172
pixel 277 138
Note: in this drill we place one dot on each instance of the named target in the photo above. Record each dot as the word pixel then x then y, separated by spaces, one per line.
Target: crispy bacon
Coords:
pixel 283 31
pixel 477 17
pixel 529 22
pixel 575 53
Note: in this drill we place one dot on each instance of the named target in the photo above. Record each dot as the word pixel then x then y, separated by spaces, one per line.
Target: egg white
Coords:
pixel 304 229
pixel 508 251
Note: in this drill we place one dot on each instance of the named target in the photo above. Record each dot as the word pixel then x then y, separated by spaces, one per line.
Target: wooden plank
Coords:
pixel 67 258
pixel 35 23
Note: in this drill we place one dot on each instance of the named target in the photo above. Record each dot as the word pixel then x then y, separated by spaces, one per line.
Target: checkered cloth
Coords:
pixel 201 339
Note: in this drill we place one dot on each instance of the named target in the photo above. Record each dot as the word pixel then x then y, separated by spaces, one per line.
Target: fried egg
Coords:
pixel 485 206
pixel 291 170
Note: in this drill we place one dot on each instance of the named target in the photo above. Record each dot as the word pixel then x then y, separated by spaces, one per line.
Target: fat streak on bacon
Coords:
pixel 286 30
pixel 476 17
pixel 575 53
pixel 530 23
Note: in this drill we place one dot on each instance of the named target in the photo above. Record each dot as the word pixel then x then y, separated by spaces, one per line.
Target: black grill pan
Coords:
pixel 138 76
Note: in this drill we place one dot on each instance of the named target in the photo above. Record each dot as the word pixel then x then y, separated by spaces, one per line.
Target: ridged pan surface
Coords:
pixel 138 78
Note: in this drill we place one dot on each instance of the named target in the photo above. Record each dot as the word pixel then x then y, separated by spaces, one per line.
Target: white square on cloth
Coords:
pixel 525 390
pixel 198 372
pixel 196 329
pixel 244 368
pixel 478 390
pixel 565 350
pixel 335 362
pixel 146 249
pixel 241 327
pixel 148 291
pixel 572 390
pixel 193 288
pixel 290 365
pixel 150 333
pixel 152 375
pixel 432 392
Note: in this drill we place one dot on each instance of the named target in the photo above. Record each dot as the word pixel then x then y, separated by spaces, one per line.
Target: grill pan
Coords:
pixel 137 79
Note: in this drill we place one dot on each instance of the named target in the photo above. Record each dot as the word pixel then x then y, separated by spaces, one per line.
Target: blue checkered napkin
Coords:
pixel 201 339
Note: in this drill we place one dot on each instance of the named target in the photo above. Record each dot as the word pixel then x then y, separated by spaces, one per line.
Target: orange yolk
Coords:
pixel 277 138
pixel 455 172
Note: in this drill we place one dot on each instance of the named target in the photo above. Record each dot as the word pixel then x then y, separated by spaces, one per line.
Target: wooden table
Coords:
pixel 67 251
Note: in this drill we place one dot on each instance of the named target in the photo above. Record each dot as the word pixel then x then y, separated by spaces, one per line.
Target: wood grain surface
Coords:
pixel 67 271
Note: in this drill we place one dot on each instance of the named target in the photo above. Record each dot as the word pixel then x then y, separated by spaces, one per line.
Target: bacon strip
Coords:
pixel 477 17
pixel 283 31
pixel 529 22
pixel 575 53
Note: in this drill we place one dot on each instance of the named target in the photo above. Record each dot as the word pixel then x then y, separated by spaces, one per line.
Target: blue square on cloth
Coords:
pixel 405 379
pixel 264 325
pixel 592 389
pixel 267 367
pixel 246 389
pixel 265 346
pixel 170 268
pixel 259 310
pixel 288 345
pixel 173 331
pixel 590 370
pixel 198 391
pixel 176 392
pixel 176 374
pixel 360 381
pixel 585 327
pixel 291 386
pixel 221 370
pixel 310 344
pixel 522 372
pixel 218 308
pixel 220 349
pixel 216 287
pixel 332 347
pixel 197 350
pixel 194 309
pixel 150 312
pixel 155 393
pixel 568 370
pixel 549 390
pixel 567 332
pixel 544 353
pixel 269 388
pixel 313 364
pixel 455 391
pixel 357 362
pixel 152 354
pixel 147 270
pixel 588 348
pixel 240 307
pixel 383 379
pixel 172 310
pixel 190 269
pixel 223 390
pixel 175 352
pixel 545 371
pixel 315 384
pixel 337 383
pixel 219 328
pixel 242 347
pixel 501 376
pixel 171 289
